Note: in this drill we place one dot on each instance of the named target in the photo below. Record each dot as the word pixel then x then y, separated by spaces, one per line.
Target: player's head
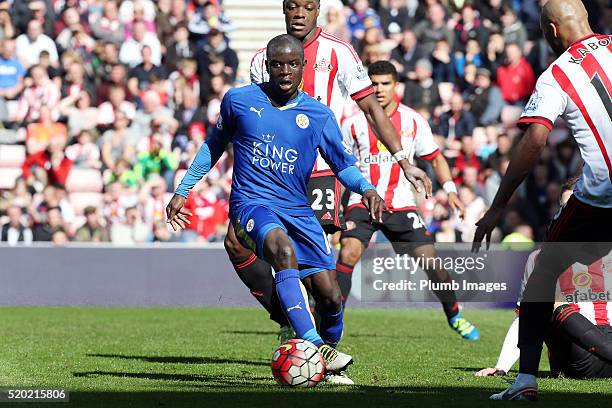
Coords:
pixel 301 17
pixel 285 64
pixel 384 79
pixel 563 22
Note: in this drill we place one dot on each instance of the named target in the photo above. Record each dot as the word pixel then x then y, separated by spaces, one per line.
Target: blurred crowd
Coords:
pixel 104 104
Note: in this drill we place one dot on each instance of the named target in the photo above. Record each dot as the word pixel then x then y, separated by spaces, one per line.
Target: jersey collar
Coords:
pixel 292 103
pixel 581 39
pixel 397 105
pixel 317 33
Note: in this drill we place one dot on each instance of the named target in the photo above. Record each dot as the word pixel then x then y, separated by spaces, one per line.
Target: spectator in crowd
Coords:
pixel 39 134
pixel 189 111
pixel 457 123
pixel 361 17
pixel 29 45
pixel 107 27
pixel 7 29
pixel 42 12
pixel 180 48
pixel 84 153
pixel 130 231
pixel 50 164
pixel 474 208
pixel 335 23
pixel 15 231
pixel 79 112
pixel 124 174
pixel 394 18
pixel 406 54
pixel 515 79
pixel 485 99
pixel 107 112
pixel 494 180
pixel 513 29
pixel 217 46
pixel 423 90
pixel 117 143
pixel 117 78
pixel 92 230
pixel 494 55
pixel 140 75
pixel 443 66
pixel 42 92
pixel 153 113
pixel 157 160
pixel 43 231
pixel 468 28
pixel 471 55
pixel 429 31
pixel 12 74
pixel 130 53
pixel 206 20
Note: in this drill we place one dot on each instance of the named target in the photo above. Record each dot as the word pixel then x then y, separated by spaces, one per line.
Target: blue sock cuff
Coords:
pixel 286 274
pixel 313 337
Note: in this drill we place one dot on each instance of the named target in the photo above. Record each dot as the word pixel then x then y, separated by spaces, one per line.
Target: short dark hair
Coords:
pixel 282 41
pixel 382 68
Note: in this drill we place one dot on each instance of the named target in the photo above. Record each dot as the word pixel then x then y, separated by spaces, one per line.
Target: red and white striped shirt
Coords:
pixel 578 87
pixel 588 289
pixel 333 72
pixel 377 164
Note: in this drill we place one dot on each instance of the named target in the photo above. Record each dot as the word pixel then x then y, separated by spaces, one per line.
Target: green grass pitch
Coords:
pixel 204 357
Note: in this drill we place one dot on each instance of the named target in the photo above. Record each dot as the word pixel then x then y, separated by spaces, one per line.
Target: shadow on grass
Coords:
pixel 244 391
pixel 183 359
pixel 541 373
pixel 251 332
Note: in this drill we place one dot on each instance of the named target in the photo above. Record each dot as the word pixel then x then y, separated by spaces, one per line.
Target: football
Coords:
pixel 298 363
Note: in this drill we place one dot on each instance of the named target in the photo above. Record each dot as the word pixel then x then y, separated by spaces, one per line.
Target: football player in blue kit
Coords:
pixel 276 130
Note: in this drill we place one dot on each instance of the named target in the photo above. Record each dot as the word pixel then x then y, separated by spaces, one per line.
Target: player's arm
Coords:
pixel 342 162
pixel 508 355
pixel 445 178
pixel 524 158
pixel 547 102
pixel 382 126
pixel 208 155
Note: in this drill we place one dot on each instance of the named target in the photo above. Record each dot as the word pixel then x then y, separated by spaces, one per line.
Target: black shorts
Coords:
pixel 324 195
pixel 579 222
pixel 573 361
pixel 400 227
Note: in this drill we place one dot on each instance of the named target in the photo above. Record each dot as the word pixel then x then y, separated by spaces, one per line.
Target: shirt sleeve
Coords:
pixel 333 151
pixel 352 75
pixel 424 144
pixel 347 138
pixel 258 67
pixel 547 102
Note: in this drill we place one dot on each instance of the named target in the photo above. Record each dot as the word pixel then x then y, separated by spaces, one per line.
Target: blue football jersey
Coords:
pixel 275 148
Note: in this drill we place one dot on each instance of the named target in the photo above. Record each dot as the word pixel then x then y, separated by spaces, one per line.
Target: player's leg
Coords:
pixel 260 229
pixel 408 235
pixel 279 250
pixel 256 274
pixel 580 331
pixel 353 242
pixel 351 250
pixel 578 234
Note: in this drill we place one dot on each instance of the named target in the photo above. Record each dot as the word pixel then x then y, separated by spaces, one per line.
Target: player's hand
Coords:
pixel 176 214
pixel 486 225
pixel 490 372
pixel 418 178
pixel 375 204
pixel 456 204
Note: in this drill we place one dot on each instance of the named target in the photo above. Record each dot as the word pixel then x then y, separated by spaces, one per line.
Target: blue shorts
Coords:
pixel 312 250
